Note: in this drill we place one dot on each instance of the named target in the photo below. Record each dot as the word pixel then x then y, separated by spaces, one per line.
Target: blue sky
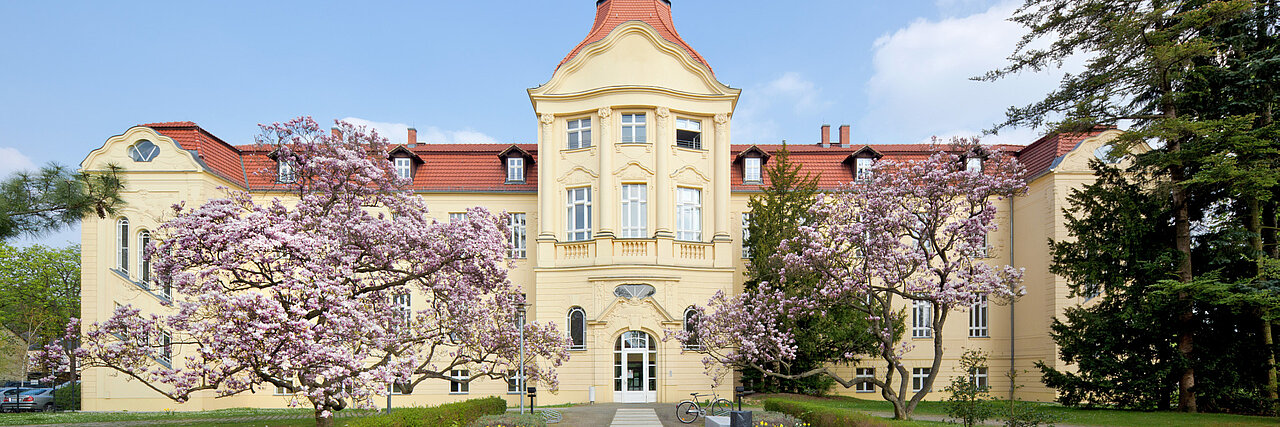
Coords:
pixel 76 73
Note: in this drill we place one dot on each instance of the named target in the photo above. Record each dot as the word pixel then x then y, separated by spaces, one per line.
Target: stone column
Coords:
pixel 547 194
pixel 604 207
pixel 662 184
pixel 720 156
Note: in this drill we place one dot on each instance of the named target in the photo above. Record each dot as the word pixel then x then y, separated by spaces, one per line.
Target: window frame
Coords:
pixel 582 324
pixel 634 211
pixel 575 232
pixel 138 156
pixel 980 377
pixel 864 373
pixel 751 174
pixel 637 131
pixel 686 124
pixel 863 168
pixel 515 381
pixel 285 172
pixel 122 245
pixel 746 234
pixel 689 323
pixel 515 170
pixel 582 132
pixel 980 318
pixel 459 387
pixel 918 377
pixel 457 216
pixel 404 167
pixel 921 319
pixel 144 263
pixel 518 235
pixel 688 215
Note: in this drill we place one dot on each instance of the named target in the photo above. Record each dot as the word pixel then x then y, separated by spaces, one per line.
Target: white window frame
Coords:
pixel 165 353
pixel 404 167
pixel 122 245
pixel 404 304
pixel 583 327
pixel 746 234
pixel 284 172
pixel 633 129
pixel 635 211
pixel 751 170
pixel 689 125
pixel 456 386
pixel 578 199
pixel 515 169
pixel 921 319
pixel 519 230
pixel 689 324
pixel 578 133
pixel 862 168
pixel 515 381
pixel 979 376
pixel 280 391
pixel 457 216
pixel 864 373
pixel 144 263
pixel 973 164
pixel 689 214
pixel 918 377
pixel 979 318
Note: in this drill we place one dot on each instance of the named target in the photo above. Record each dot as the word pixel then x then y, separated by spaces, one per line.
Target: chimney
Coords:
pixel 844 136
pixel 413 138
pixel 337 133
pixel 826 136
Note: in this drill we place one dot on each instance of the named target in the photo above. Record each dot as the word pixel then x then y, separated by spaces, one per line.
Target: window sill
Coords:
pixel 690 149
pixel 634 144
pixel 752 182
pixel 141 286
pixel 864 391
pixel 577 150
pixel 980 336
pixel 516 182
pixel 922 338
pixel 577 349
pixel 460 393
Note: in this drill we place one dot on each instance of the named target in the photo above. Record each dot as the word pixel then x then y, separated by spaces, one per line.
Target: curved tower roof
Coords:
pixel 612 13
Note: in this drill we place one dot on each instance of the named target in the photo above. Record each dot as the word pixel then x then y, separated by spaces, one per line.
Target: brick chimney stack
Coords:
pixel 844 136
pixel 826 136
pixel 413 137
pixel 337 133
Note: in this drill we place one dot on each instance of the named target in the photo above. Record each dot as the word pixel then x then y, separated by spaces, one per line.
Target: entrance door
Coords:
pixel 635 368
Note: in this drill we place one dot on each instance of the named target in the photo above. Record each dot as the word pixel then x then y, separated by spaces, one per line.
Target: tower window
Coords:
pixel 579 214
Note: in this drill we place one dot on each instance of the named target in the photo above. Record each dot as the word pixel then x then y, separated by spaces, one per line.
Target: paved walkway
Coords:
pixel 605 414
pixel 635 417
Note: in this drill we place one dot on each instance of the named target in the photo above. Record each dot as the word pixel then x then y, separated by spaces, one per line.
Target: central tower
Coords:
pixel 633 199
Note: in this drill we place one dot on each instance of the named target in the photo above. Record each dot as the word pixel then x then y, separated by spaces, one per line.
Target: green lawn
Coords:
pixel 304 417
pixel 1072 416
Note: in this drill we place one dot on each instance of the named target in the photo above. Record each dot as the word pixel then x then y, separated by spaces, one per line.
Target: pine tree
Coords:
pixel 33 204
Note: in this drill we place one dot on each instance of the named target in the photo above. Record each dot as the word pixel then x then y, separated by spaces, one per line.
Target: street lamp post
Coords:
pixel 520 312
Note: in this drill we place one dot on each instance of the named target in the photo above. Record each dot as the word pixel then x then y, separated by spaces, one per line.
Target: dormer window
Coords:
pixel 404 167
pixel 284 172
pixel 689 133
pixel 515 169
pixel 973 164
pixel 862 168
pixel 751 170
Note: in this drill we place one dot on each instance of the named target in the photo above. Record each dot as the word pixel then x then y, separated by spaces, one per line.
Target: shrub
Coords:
pixel 449 414
pixel 510 420
pixel 67 398
pixel 818 415
pixel 969 403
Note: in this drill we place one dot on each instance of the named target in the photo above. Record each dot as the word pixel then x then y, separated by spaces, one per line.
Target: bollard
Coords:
pixel 739 418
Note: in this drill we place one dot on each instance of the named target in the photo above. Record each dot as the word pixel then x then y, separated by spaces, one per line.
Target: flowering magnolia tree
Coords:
pixel 912 233
pixel 331 298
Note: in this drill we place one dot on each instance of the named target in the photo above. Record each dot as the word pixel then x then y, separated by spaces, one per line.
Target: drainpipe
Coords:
pixel 1012 336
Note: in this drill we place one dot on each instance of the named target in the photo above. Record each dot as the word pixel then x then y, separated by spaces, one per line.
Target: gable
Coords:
pixel 634 55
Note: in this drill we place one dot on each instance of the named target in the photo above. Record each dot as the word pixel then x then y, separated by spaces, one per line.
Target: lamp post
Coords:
pixel 520 312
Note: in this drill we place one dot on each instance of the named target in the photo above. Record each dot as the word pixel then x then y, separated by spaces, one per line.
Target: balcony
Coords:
pixel 607 251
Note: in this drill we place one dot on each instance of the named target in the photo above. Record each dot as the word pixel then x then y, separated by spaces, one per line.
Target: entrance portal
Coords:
pixel 635 368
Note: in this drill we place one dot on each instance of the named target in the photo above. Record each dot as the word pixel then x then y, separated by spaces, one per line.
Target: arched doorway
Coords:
pixel 635 368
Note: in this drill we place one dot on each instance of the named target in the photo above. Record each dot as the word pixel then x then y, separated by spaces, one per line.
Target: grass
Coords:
pixel 1072 416
pixel 303 417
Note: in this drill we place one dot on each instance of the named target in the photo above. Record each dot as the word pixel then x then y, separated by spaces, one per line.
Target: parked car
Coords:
pixel 27 399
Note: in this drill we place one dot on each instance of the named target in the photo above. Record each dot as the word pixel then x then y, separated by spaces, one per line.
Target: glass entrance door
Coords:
pixel 635 368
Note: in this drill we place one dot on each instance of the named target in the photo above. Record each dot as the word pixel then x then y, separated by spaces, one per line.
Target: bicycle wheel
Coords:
pixel 720 407
pixel 687 412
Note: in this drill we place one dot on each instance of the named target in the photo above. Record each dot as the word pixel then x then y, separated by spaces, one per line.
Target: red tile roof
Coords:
pixel 1042 154
pixel 828 163
pixel 612 13
pixel 221 158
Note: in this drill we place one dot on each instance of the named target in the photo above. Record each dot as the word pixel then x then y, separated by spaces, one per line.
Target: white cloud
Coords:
pixel 789 94
pixel 920 86
pixel 12 160
pixel 398 133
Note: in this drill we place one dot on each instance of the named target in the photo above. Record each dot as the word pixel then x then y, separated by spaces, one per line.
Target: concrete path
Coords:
pixel 628 417
pixel 603 414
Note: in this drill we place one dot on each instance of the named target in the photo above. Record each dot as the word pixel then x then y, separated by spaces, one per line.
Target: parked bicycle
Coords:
pixel 688 411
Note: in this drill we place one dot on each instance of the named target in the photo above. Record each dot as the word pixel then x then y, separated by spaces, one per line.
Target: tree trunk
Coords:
pixel 1255 243
pixel 323 421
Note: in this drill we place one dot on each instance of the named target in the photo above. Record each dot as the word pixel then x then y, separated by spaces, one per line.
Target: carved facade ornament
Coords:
pixel 722 119
pixel 605 112
pixel 547 119
pixel 663 112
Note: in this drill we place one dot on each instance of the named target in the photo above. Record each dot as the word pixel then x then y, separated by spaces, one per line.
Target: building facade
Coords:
pixel 629 209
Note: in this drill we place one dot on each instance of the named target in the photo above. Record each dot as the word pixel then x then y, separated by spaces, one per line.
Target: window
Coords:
pixel 284 172
pixel 122 245
pixel 165 355
pixel 978 318
pixel 981 251
pixel 633 129
pixel 144 262
pixel 577 329
pixel 973 164
pixel 143 151
pixel 689 214
pixel 746 234
pixel 862 168
pixel 398 387
pixel 865 373
pixel 515 169
pixel 689 133
pixel 579 218
pixel 458 381
pixel 519 230
pixel 918 377
pixel 635 211
pixel 1091 291
pixel 514 382
pixel 921 319
pixel 691 327
pixel 979 376
pixel 282 390
pixel 404 304
pixel 580 133
pixel 404 167
pixel 457 216
pixel 751 170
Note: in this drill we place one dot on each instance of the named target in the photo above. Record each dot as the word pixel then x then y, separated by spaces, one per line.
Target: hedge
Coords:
pixel 67 398
pixel 818 415
pixel 449 414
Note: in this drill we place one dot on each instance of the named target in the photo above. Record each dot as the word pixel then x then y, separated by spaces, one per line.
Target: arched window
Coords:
pixel 144 262
pixel 691 326
pixel 122 245
pixel 577 329
pixel 143 151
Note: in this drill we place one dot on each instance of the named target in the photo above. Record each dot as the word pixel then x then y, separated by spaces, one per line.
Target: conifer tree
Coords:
pixel 33 204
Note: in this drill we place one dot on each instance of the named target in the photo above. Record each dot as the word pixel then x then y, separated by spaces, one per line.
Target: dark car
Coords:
pixel 27 399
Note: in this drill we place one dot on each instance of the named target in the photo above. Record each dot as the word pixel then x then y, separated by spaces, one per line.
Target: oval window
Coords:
pixel 143 151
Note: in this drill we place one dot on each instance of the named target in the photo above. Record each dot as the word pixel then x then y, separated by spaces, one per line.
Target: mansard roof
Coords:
pixel 612 13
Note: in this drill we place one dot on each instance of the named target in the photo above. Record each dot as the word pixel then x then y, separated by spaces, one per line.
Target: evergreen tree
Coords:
pixel 33 204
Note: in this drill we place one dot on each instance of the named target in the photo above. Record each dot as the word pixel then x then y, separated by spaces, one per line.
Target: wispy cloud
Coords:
pixel 789 94
pixel 12 160
pixel 398 133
